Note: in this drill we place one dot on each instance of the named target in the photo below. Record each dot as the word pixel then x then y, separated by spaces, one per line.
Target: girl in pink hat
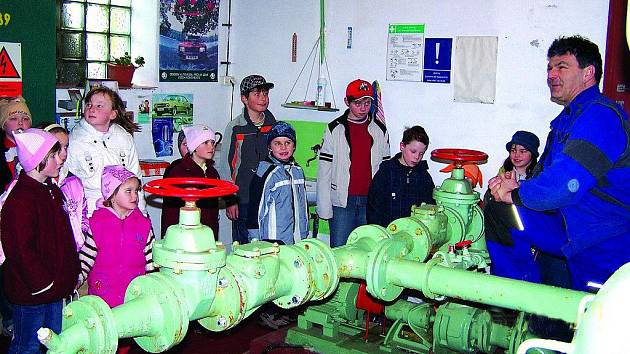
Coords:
pixel 120 247
pixel 121 244
pixel 42 264
pixel 200 141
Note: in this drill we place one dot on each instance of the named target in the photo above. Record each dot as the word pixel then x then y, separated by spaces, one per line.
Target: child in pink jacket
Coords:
pixel 120 247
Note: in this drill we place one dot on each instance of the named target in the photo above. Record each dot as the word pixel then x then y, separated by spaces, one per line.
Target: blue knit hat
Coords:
pixel 526 139
pixel 281 129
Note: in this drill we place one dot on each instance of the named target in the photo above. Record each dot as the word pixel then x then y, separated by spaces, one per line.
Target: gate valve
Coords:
pixel 191 189
pixel 462 159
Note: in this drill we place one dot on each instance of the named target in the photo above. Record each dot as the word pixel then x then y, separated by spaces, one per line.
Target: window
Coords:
pixel 89 34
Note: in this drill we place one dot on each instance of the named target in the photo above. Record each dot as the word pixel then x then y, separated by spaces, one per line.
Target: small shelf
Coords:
pixel 301 105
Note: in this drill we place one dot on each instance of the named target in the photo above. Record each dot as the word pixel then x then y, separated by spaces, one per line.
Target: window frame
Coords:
pixel 83 61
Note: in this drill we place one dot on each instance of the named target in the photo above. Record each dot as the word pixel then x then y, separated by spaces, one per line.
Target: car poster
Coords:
pixel 189 40
pixel 178 107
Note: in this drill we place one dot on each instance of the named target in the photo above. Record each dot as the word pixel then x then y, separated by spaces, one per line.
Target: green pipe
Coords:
pixel 352 259
pixel 500 335
pixel 322 35
pixel 129 323
pixel 416 315
pixel 539 299
pixel 74 339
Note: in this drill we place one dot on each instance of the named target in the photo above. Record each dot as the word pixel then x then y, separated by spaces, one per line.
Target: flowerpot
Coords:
pixel 121 73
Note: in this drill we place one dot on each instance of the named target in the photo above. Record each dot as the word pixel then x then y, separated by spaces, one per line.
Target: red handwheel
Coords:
pixel 459 157
pixel 191 188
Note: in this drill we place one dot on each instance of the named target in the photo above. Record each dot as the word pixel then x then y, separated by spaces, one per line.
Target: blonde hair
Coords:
pixel 117 105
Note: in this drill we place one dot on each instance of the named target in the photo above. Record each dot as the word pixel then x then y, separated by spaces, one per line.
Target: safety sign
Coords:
pixel 404 51
pixel 437 60
pixel 10 69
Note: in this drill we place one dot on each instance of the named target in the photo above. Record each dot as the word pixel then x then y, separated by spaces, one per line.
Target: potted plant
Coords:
pixel 122 69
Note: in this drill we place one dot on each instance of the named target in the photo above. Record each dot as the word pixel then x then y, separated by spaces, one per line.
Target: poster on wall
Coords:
pixel 162 133
pixel 437 60
pixel 10 69
pixel 144 109
pixel 188 40
pixel 178 107
pixel 405 51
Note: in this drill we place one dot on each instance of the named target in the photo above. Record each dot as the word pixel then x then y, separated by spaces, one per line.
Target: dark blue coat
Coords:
pixel 585 171
pixel 395 188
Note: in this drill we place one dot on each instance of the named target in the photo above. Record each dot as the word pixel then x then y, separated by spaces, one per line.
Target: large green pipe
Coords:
pixel 368 252
pixel 539 299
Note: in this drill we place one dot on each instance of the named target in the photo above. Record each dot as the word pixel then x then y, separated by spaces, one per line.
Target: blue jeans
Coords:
pixel 346 219
pixel 239 226
pixel 27 319
pixel 5 306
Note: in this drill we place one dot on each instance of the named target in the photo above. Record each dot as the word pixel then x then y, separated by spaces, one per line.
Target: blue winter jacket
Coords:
pixel 584 173
pixel 395 188
pixel 277 207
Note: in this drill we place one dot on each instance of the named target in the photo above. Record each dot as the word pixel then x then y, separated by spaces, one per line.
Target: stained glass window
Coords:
pixel 90 33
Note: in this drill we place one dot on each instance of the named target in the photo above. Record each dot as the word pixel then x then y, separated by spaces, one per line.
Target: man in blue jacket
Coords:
pixel 577 205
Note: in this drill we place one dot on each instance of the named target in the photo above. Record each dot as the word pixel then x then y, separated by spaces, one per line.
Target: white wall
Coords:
pixel 211 100
pixel 262 44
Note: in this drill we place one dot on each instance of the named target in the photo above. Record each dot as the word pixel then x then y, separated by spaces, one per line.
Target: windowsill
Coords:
pixel 133 87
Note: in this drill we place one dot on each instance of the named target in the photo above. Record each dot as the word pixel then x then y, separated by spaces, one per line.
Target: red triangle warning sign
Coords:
pixel 7 69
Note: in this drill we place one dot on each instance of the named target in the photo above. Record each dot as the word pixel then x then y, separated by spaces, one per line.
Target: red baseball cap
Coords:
pixel 359 89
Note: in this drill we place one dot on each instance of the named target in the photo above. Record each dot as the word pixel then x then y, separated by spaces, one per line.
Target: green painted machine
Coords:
pixel 438 252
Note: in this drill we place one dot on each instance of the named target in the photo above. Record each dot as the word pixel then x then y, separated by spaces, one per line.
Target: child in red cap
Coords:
pixel 353 147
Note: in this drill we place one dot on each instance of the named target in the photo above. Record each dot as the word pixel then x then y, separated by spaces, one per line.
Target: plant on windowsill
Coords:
pixel 122 69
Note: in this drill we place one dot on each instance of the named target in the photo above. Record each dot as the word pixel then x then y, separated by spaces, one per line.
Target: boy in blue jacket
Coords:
pixel 278 208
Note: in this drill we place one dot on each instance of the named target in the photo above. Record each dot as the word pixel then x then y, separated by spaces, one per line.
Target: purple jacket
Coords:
pixel 76 207
pixel 120 255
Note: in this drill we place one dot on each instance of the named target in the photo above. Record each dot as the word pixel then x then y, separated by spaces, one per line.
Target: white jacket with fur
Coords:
pixel 90 151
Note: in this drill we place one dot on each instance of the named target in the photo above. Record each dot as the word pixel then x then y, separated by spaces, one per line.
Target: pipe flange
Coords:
pixel 373 234
pixel 95 315
pixel 299 270
pixel 229 304
pixel 325 276
pixel 180 260
pixel 425 282
pixel 456 225
pixel 376 275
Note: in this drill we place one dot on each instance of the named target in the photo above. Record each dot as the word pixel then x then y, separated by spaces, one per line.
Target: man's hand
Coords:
pixel 501 187
pixel 232 212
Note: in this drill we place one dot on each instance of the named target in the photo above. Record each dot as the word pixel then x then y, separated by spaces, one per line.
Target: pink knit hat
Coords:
pixel 32 146
pixel 196 135
pixel 113 176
